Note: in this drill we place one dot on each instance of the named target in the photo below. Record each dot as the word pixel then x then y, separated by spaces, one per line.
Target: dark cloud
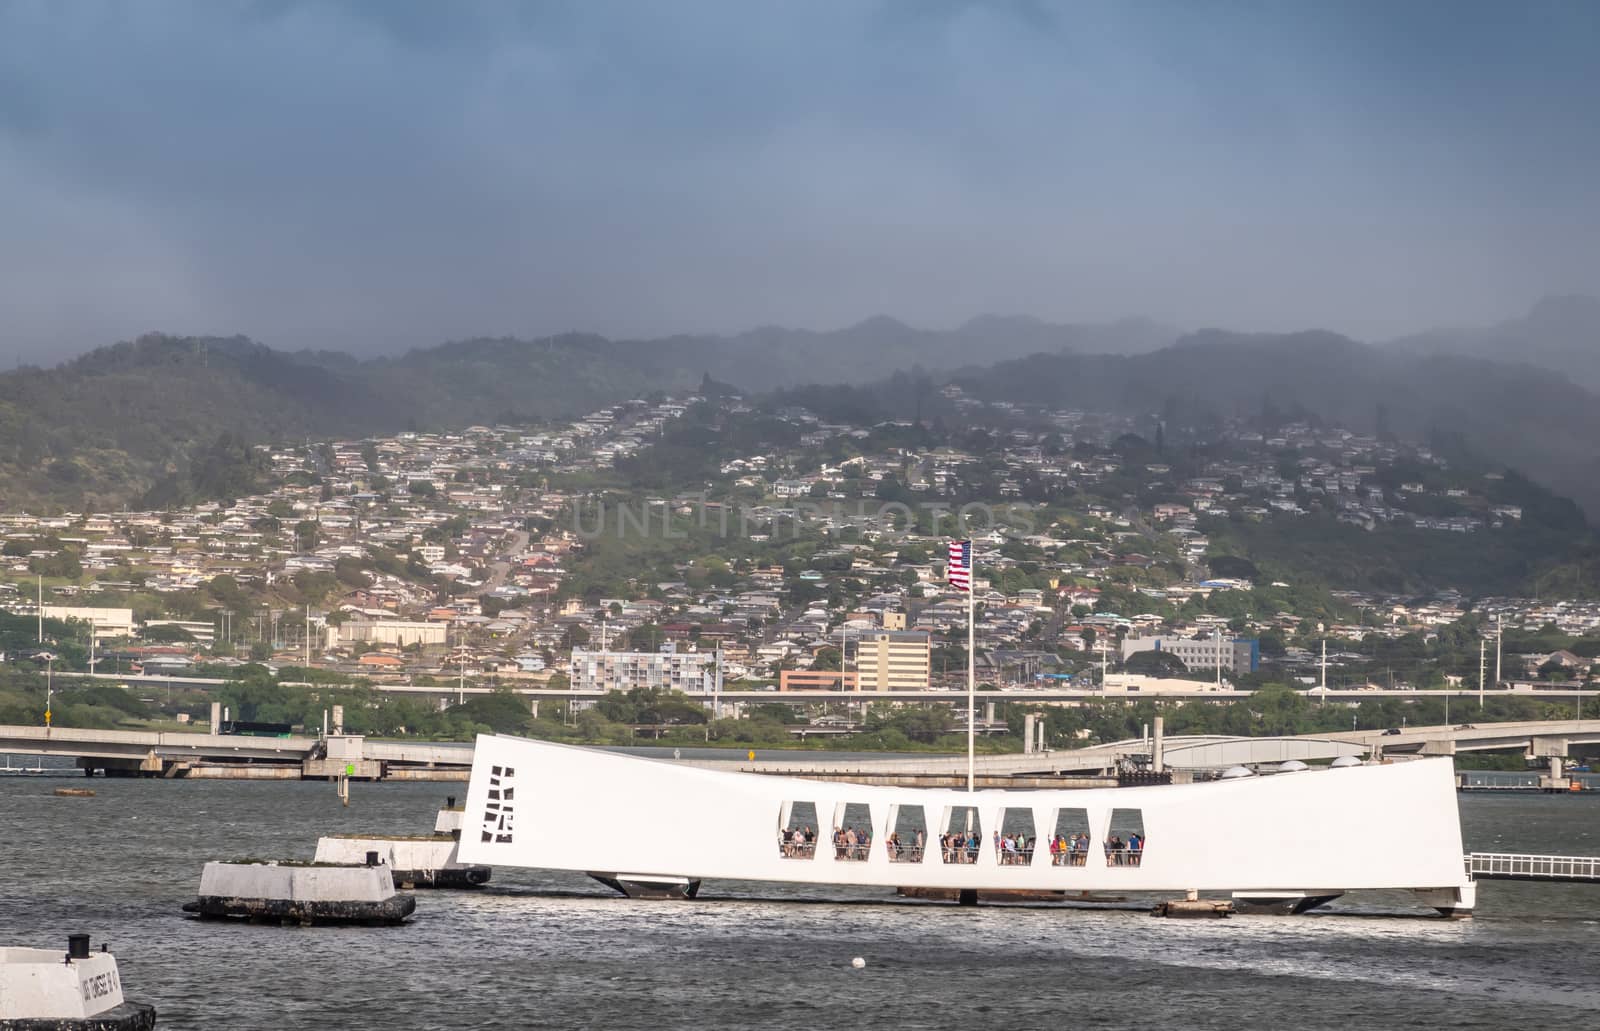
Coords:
pixel 380 175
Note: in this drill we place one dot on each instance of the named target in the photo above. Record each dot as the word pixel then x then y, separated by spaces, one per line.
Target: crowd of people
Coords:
pixel 1070 850
pixel 798 843
pixel 904 852
pixel 1014 849
pixel 962 847
pixel 1125 853
pixel 851 844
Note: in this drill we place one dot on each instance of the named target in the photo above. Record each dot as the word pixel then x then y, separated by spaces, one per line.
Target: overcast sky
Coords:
pixel 376 176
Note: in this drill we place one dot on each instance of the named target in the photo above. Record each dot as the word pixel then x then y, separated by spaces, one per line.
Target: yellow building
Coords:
pixel 893 660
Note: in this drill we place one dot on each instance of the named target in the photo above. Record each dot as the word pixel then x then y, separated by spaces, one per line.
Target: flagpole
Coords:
pixel 972 701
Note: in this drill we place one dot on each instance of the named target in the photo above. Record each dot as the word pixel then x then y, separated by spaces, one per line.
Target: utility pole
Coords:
pixel 1499 631
pixel 1324 671
pixel 1219 658
pixel 1482 661
pixel 49 666
pixel 308 637
pixel 41 608
pixel 716 687
pixel 461 665
pixel 92 636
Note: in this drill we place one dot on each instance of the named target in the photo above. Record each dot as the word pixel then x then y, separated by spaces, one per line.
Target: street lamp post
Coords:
pixel 49 666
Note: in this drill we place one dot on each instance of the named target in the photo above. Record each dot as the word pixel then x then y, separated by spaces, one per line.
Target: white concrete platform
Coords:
pixel 1293 835
pixel 305 893
pixel 50 988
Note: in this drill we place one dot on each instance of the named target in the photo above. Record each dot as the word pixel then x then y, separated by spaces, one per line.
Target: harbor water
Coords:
pixel 557 950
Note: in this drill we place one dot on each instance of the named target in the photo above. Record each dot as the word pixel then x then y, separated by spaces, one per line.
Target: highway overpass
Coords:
pixel 956 698
pixel 175 754
pixel 184 754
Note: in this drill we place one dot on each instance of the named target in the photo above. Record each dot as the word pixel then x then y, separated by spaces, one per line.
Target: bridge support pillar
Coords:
pixel 1545 747
pixel 1157 747
pixel 151 763
pixel 1439 746
pixel 1028 722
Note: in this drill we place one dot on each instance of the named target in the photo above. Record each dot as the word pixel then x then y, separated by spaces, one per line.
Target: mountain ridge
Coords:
pixel 105 427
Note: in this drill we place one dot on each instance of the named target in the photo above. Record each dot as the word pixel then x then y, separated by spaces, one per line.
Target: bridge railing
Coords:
pixel 1516 866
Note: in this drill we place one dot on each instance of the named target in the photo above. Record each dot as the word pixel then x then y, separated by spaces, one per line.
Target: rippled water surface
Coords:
pixel 560 951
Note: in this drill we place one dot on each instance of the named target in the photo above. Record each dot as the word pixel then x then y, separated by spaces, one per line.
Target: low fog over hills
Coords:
pixel 111 425
pixel 1559 333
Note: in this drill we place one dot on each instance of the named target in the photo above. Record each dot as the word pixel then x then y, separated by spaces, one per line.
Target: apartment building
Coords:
pixel 667 669
pixel 1241 655
pixel 893 660
pixel 400 633
pixel 109 623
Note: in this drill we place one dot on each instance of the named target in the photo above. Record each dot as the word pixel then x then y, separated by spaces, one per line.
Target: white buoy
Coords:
pixel 858 962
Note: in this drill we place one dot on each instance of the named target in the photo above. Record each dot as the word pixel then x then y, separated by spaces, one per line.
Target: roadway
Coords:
pixel 1537 739
pixel 955 697
pixel 160 752
pixel 155 751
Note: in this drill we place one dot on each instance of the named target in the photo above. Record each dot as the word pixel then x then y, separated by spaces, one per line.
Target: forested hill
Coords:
pixel 104 428
pixel 1559 333
pixel 166 419
pixel 1514 415
pixel 772 357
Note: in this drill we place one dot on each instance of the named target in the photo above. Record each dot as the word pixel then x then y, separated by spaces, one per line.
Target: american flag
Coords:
pixel 958 570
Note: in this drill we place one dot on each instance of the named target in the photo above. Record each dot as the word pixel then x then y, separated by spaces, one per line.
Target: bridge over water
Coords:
pixel 185 754
pixel 1547 739
pixel 165 753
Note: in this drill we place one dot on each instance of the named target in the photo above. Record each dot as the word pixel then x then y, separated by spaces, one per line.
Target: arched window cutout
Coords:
pixel 797 830
pixel 962 837
pixel 852 832
pixel 1069 845
pixel 1125 838
pixel 908 834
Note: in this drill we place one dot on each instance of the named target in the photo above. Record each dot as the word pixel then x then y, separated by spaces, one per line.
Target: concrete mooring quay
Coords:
pixel 131 753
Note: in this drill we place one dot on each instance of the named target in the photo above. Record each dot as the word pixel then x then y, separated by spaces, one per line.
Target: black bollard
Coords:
pixel 77 946
pixel 449 801
pixel 372 859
